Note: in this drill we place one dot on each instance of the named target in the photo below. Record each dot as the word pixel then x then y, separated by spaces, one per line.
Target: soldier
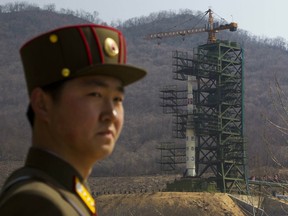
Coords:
pixel 75 77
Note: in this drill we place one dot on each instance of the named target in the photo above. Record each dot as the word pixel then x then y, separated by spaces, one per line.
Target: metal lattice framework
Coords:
pixel 174 102
pixel 218 111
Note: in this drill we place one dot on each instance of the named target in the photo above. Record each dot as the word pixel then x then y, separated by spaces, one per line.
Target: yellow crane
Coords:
pixel 212 28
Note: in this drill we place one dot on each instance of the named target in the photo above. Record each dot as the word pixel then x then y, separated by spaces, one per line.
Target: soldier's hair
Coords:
pixel 54 90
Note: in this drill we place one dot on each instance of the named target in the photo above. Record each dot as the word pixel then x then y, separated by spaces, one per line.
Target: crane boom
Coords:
pixel 212 28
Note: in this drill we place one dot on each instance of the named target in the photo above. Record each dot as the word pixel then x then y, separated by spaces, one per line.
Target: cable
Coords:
pixel 221 18
pixel 190 20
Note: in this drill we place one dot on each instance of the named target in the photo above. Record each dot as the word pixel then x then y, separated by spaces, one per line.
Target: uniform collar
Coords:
pixel 52 165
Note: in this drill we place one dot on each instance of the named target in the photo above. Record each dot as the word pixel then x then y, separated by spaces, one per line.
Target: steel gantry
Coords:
pixel 218 118
pixel 208 112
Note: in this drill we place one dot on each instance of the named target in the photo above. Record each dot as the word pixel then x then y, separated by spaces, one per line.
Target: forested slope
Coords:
pixel 146 126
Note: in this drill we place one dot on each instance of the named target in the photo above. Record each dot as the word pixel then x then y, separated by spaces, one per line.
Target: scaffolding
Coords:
pixel 218 116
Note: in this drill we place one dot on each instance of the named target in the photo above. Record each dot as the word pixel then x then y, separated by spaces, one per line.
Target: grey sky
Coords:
pixel 259 17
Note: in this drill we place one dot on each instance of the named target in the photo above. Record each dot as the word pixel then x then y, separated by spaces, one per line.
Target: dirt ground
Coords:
pixel 167 204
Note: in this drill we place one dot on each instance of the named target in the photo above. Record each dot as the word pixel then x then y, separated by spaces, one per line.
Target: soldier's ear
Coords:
pixel 40 103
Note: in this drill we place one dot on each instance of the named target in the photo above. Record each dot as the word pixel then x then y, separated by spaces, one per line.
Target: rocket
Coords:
pixel 190 133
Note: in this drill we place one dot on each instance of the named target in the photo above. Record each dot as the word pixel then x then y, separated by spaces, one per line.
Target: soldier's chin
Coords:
pixel 105 152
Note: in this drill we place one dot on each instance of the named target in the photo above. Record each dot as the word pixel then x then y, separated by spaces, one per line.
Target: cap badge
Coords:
pixel 111 47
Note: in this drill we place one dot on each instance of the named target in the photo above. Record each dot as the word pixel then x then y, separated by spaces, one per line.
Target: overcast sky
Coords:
pixel 260 17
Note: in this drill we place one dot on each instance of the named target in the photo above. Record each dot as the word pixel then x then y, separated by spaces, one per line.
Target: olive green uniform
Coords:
pixel 46 185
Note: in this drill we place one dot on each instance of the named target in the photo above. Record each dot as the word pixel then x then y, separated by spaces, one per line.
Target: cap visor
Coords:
pixel 126 73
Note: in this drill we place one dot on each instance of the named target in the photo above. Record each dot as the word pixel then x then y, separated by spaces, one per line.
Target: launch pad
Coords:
pixel 192 185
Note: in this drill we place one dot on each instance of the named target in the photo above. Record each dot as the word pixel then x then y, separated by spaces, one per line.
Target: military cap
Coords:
pixel 74 51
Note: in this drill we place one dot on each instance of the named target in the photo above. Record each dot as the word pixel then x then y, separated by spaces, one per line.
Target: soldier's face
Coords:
pixel 88 118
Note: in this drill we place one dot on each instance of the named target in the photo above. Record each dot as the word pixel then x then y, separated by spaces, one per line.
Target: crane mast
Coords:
pixel 211 31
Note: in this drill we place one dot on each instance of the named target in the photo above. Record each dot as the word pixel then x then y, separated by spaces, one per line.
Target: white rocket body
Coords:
pixel 190 134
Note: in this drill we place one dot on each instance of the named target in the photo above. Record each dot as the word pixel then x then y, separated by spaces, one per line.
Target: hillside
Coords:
pixel 145 125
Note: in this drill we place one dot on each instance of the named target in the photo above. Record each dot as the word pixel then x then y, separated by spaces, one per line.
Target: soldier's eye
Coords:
pixel 95 94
